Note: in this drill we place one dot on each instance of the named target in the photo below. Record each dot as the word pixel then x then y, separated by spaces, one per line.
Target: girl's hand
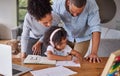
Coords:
pixel 76 60
pixel 79 57
pixel 69 57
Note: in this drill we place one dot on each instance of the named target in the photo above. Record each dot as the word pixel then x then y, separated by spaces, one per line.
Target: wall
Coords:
pixel 8 18
pixel 110 13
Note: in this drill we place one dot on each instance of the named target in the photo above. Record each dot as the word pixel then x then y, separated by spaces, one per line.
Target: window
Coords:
pixel 21 11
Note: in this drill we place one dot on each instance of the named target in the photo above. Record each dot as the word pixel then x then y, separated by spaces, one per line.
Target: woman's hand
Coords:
pixel 23 55
pixel 36 48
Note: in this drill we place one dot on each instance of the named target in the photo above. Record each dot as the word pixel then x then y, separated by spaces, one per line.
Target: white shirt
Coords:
pixel 63 52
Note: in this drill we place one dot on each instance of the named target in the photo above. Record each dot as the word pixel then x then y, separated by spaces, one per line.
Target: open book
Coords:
pixel 36 59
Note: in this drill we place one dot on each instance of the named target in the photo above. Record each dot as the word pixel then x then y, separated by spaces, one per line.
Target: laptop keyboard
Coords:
pixel 15 71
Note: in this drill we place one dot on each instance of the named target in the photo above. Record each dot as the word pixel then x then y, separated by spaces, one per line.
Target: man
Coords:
pixel 38 19
pixel 82 23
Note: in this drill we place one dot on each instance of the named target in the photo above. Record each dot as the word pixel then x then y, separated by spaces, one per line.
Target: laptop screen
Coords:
pixel 5 60
pixel 6 66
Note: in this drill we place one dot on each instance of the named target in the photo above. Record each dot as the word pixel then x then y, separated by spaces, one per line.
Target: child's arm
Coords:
pixel 52 56
pixel 76 54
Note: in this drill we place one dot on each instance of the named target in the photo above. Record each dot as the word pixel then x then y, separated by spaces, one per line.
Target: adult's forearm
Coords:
pixel 95 42
pixel 24 43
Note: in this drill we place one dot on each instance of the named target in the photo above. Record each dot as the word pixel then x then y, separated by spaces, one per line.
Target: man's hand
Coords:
pixel 36 48
pixel 93 58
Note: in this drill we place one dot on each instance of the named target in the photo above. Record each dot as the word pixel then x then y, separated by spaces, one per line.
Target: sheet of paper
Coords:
pixel 36 59
pixel 54 71
pixel 67 63
pixel 32 59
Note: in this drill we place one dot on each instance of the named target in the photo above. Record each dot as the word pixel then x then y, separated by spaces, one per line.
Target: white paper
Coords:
pixel 36 59
pixel 67 63
pixel 54 71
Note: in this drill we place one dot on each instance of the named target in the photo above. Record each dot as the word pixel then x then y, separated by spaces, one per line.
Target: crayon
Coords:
pixel 115 65
pixel 117 58
pixel 113 70
pixel 112 74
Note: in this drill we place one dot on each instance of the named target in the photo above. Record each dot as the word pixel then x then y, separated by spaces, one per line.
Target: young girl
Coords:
pixel 57 48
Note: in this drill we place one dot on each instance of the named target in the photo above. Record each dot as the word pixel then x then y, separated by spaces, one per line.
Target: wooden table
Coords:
pixel 86 69
pixel 4 41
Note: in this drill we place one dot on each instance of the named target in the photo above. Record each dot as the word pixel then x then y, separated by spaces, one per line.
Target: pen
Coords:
pixel 70 54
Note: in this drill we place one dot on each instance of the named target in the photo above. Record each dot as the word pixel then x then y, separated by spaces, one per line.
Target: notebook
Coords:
pixel 37 59
pixel 6 66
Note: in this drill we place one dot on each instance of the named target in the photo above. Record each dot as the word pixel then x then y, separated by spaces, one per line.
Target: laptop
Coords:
pixel 6 66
